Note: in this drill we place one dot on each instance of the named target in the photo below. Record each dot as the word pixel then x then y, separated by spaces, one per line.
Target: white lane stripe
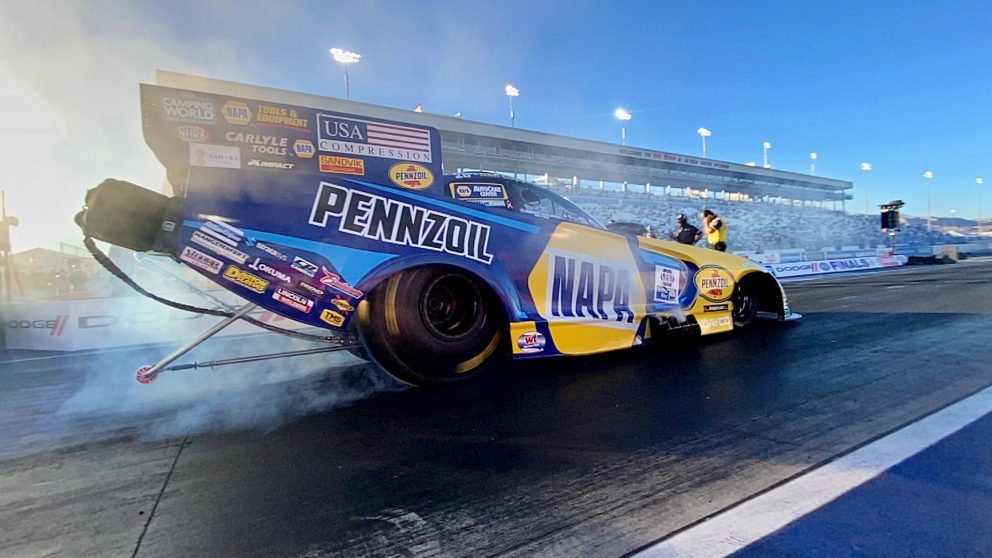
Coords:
pixel 742 525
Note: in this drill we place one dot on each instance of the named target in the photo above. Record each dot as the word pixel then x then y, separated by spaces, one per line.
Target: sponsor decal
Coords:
pixel 280 117
pixel 334 281
pixel 397 222
pixel 714 283
pixel 217 156
pixel 269 250
pixel 262 144
pixel 187 107
pixel 218 247
pixel 262 267
pixel 582 287
pixel 342 305
pixel 331 317
pixel 352 136
pixel 716 308
pixel 305 267
pixel 462 190
pixel 55 327
pixel 342 165
pixel 236 112
pixel 303 148
pixel 192 134
pixel 531 342
pixel 478 191
pixel 222 231
pixel 411 176
pixel 667 284
pixel 807 267
pixel 311 289
pixel 715 323
pixel 295 301
pixel 262 164
pixel 200 260
pixel 245 279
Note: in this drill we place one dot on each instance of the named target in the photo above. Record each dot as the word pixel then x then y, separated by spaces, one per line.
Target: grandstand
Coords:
pixel 767 208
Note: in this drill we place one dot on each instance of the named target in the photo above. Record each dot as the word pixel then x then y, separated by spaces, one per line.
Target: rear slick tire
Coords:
pixel 432 325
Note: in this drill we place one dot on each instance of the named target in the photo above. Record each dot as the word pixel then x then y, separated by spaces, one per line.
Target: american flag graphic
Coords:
pixel 390 135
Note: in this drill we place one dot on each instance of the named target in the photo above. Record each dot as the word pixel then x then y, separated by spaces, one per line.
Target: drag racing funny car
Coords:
pixel 347 223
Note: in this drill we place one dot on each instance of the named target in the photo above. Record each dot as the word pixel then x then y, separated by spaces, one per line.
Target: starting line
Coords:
pixel 751 521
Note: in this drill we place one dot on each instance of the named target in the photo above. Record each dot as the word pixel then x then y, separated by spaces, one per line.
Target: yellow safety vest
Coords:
pixel 718 235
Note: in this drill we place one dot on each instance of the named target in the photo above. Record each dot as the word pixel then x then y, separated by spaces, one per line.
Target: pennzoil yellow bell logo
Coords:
pixel 714 283
pixel 411 176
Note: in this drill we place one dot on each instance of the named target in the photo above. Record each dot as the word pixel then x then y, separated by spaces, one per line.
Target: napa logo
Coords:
pixel 411 176
pixel 236 112
pixel 581 288
pixel 714 283
pixel 303 148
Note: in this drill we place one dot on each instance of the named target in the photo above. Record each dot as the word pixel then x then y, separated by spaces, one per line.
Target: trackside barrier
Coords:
pixel 100 323
pixel 835 266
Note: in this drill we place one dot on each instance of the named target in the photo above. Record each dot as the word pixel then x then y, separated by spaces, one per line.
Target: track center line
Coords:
pixel 756 518
pixel 151 514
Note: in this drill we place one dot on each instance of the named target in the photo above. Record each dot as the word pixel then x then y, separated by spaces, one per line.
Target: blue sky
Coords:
pixel 902 85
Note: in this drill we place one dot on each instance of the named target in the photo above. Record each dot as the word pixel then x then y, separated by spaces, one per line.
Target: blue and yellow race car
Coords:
pixel 347 222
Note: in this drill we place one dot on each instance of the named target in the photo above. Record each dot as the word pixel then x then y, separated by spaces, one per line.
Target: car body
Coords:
pixel 441 275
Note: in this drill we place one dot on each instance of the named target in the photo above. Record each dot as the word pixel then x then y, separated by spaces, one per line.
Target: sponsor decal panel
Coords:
pixel 489 195
pixel 223 232
pixel 261 144
pixel 269 250
pixel 54 326
pixel 305 267
pixel 216 156
pixel 342 305
pixel 187 107
pixel 280 117
pixel 265 268
pixel 716 308
pixel 714 283
pixel 295 301
pixel 236 112
pixel 411 176
pixel 342 165
pixel 531 342
pixel 218 247
pixel 200 260
pixel 334 281
pixel 378 218
pixel 303 148
pixel 352 136
pixel 331 317
pixel 581 287
pixel 304 286
pixel 246 279
pixel 716 323
pixel 667 284
pixel 263 164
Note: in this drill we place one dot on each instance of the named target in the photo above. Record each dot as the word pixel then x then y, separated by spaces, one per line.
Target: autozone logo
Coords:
pixel 55 327
pixel 293 300
pixel 396 222
pixel 219 247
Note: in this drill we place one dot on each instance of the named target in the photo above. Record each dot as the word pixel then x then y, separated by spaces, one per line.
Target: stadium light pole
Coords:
pixel 980 182
pixel 865 169
pixel 511 92
pixel 929 176
pixel 704 133
pixel 623 116
pixel 767 145
pixel 812 163
pixel 346 58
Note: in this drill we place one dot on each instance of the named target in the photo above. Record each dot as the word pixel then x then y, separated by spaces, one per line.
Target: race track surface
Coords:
pixel 599 456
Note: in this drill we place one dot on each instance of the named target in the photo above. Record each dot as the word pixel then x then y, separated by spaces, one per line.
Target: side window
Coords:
pixel 545 204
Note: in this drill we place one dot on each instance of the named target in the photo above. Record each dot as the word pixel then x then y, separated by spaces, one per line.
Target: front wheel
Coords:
pixel 432 325
pixel 745 304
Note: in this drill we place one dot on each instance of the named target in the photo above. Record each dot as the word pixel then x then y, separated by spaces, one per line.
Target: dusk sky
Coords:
pixel 903 85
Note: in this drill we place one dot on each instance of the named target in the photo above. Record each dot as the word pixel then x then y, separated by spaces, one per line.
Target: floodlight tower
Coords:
pixel 865 169
pixel 980 182
pixel 767 145
pixel 812 163
pixel 623 116
pixel 511 92
pixel 346 58
pixel 704 133
pixel 929 176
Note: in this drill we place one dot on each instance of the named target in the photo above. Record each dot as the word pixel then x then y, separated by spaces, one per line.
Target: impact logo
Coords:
pixel 581 287
pixel 186 107
pixel 715 284
pixel 411 176
pixel 396 222
pixel 236 112
pixel 351 136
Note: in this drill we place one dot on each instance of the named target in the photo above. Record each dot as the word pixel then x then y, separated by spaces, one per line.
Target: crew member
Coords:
pixel 686 233
pixel 716 230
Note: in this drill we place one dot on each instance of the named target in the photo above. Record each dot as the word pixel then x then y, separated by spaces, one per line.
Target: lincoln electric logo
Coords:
pixel 396 222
